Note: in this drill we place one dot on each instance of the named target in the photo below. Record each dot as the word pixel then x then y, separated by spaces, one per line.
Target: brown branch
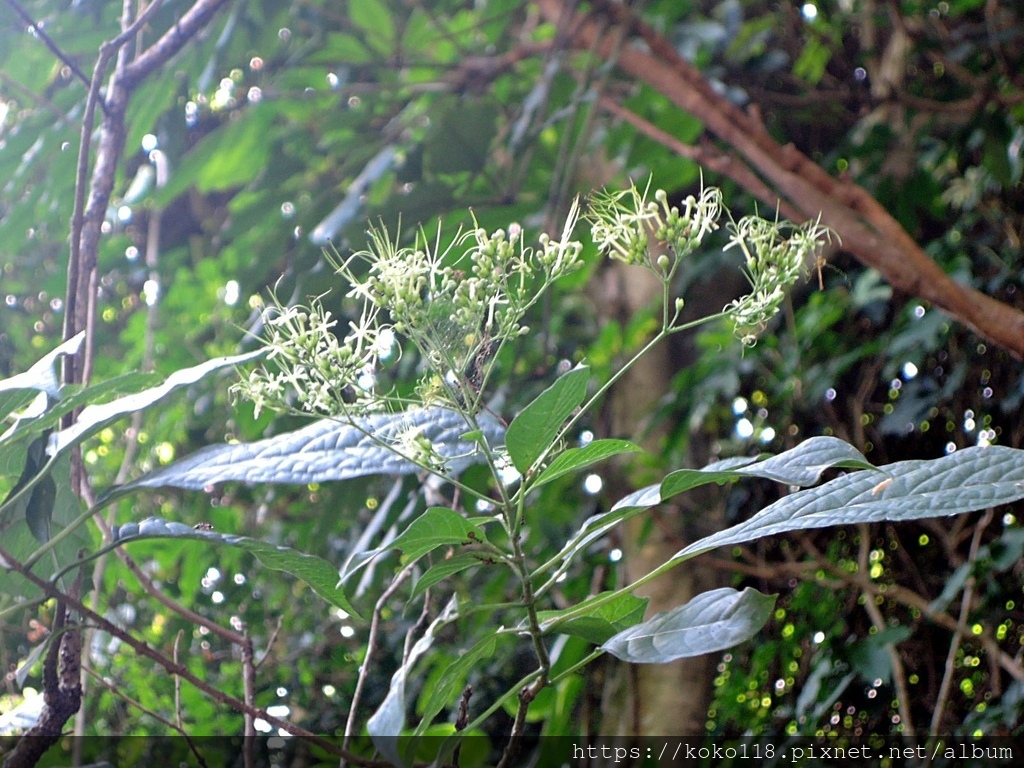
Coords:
pixel 144 649
pixel 172 41
pixel 704 155
pixel 866 229
pixel 116 690
pixel 62 690
pixel 48 41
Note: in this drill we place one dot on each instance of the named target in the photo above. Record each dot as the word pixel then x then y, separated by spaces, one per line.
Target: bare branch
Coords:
pixel 172 41
pixel 48 41
pixel 865 228
pixel 144 649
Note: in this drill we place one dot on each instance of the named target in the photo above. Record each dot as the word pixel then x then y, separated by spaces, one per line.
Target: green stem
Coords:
pixel 594 655
pixel 572 613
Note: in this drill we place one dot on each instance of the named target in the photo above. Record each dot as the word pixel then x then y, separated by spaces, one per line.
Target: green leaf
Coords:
pixel 389 719
pixel 17 391
pixel 437 527
pixel 442 570
pixel 230 156
pixel 326 450
pixel 35 461
pixel 453 680
pixel 802 465
pixel 94 417
pixel 577 458
pixel 712 621
pixel 964 481
pixel 537 426
pixel 461 138
pixel 319 574
pixel 374 18
pixel 598 624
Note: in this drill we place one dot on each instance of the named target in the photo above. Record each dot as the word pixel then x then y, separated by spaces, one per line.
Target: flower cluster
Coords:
pixel 623 223
pixel 308 367
pixel 776 254
pixel 457 308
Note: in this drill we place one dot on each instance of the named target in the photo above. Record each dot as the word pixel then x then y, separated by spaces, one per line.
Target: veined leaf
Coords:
pixel 324 451
pixel 437 527
pixel 577 458
pixel 94 417
pixel 965 481
pixel 534 429
pixel 802 465
pixel 712 621
pixel 600 623
pixel 316 572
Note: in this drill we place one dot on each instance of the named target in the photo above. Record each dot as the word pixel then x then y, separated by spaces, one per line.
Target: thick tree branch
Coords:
pixel 866 229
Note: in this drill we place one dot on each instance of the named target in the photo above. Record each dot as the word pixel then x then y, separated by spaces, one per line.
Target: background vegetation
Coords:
pixel 219 168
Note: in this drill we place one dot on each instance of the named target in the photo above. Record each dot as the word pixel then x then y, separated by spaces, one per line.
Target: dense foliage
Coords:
pixel 279 129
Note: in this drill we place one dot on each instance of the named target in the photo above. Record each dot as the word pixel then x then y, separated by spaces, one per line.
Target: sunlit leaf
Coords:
pixel 712 621
pixel 965 481
pixel 326 450
pixel 576 458
pixel 437 527
pixel 314 571
pixel 94 417
pixel 17 391
pixel 599 623
pixel 534 429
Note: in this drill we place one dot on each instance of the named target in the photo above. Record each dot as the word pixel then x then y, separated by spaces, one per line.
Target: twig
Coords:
pixel 899 677
pixel 371 641
pixel 271 641
pixel 116 690
pixel 249 694
pixel 48 41
pixel 954 645
pixel 177 680
pixel 174 668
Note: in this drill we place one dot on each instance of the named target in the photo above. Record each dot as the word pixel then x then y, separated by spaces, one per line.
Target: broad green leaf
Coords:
pixel 537 426
pixel 437 527
pixel 326 450
pixel 577 458
pixel 442 570
pixel 320 575
pixel 964 481
pixel 14 441
pixel 712 621
pixel 389 719
pixel 453 680
pixel 374 18
pixel 601 622
pixel 21 542
pixel 34 462
pixel 871 656
pixel 230 156
pixel 94 417
pixel 802 465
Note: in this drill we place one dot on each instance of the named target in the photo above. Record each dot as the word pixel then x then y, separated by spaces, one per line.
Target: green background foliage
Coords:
pixel 285 126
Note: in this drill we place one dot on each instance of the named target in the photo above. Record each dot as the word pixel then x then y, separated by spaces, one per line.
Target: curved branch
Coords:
pixel 866 229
